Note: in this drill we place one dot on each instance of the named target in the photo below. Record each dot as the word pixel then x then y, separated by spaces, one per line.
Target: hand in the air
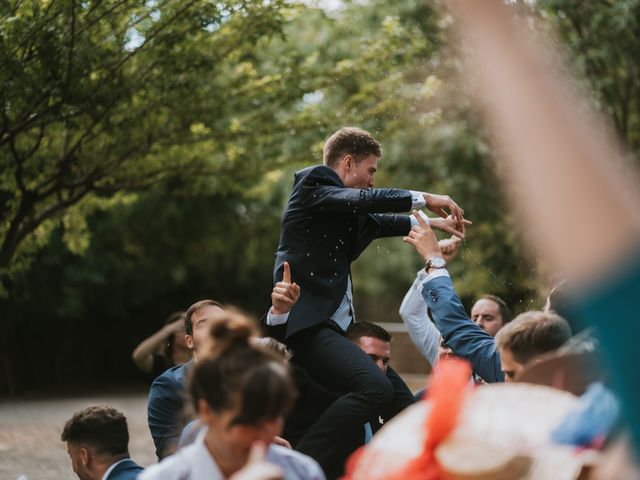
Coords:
pixel 285 293
pixel 450 225
pixel 423 239
pixel 449 247
pixel 439 204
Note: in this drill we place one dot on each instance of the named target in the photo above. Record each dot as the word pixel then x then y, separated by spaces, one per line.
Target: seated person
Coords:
pixel 314 398
pixel 465 338
pixel 98 444
pixel 530 335
pixel 166 395
pixel 375 341
pixel 241 393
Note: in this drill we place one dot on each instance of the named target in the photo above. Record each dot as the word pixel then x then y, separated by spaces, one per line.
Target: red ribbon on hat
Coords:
pixel 446 395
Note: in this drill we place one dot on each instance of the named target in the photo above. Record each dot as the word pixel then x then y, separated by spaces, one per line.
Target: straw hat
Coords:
pixel 502 433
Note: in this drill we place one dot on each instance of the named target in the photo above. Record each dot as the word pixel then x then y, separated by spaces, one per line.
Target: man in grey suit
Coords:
pixel 98 444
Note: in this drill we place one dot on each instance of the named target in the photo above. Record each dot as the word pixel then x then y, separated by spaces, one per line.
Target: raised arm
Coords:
pixel 423 333
pixel 143 354
pixel 464 337
pixel 321 189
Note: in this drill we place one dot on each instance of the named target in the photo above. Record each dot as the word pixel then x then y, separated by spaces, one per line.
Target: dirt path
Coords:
pixel 30 430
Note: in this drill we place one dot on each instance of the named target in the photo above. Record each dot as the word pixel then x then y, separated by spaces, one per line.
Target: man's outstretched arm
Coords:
pixel 464 337
pixel 321 189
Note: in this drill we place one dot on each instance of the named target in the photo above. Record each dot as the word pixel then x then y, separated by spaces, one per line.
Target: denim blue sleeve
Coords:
pixel 465 338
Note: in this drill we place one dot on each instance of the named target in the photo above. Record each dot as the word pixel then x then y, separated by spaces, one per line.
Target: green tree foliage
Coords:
pixel 603 42
pixel 104 97
pixel 147 149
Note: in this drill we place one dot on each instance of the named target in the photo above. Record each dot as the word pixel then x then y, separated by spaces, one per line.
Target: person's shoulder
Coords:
pixel 172 376
pixel 127 470
pixel 317 172
pixel 296 465
pixel 176 466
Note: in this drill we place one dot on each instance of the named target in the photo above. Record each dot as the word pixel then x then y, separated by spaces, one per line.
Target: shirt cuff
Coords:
pixel 438 272
pixel 414 221
pixel 417 199
pixel 274 319
pixel 421 275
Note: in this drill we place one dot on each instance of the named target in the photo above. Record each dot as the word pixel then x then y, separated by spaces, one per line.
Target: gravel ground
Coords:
pixel 30 430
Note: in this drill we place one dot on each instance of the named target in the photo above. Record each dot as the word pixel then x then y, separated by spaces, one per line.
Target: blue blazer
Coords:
pixel 466 339
pixel 127 470
pixel 325 227
pixel 166 398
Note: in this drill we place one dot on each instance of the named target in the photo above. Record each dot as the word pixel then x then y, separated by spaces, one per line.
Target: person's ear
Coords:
pixel 188 339
pixel 204 410
pixel 348 162
pixel 85 456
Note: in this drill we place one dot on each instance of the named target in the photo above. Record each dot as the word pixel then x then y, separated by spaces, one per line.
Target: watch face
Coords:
pixel 438 262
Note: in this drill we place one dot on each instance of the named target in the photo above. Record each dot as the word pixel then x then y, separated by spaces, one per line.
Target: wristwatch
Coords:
pixel 435 262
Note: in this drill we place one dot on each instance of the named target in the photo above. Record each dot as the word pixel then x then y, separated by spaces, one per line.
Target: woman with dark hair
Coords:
pixel 241 393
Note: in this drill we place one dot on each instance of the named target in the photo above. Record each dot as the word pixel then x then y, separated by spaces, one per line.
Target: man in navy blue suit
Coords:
pixel 332 215
pixel 98 444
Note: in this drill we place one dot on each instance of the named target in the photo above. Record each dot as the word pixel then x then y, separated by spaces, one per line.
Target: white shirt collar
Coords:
pixel 203 464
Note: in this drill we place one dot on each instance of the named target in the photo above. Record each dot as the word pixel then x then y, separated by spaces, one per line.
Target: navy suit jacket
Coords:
pixel 325 227
pixel 166 398
pixel 127 470
pixel 465 338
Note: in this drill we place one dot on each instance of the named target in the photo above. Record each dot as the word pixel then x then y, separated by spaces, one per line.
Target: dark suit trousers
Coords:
pixel 341 366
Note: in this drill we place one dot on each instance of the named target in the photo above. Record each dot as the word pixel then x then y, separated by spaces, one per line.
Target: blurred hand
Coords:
pixel 438 203
pixel 257 468
pixel 285 294
pixel 282 442
pixel 423 239
pixel 450 225
pixel 449 247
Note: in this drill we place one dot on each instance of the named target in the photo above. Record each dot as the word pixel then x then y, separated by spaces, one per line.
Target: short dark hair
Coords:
pixel 101 427
pixel 196 307
pixel 350 141
pixel 367 329
pixel 533 333
pixel 505 313
pixel 236 374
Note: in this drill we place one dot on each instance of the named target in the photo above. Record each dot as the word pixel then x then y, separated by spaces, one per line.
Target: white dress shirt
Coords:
pixel 413 310
pixel 194 462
